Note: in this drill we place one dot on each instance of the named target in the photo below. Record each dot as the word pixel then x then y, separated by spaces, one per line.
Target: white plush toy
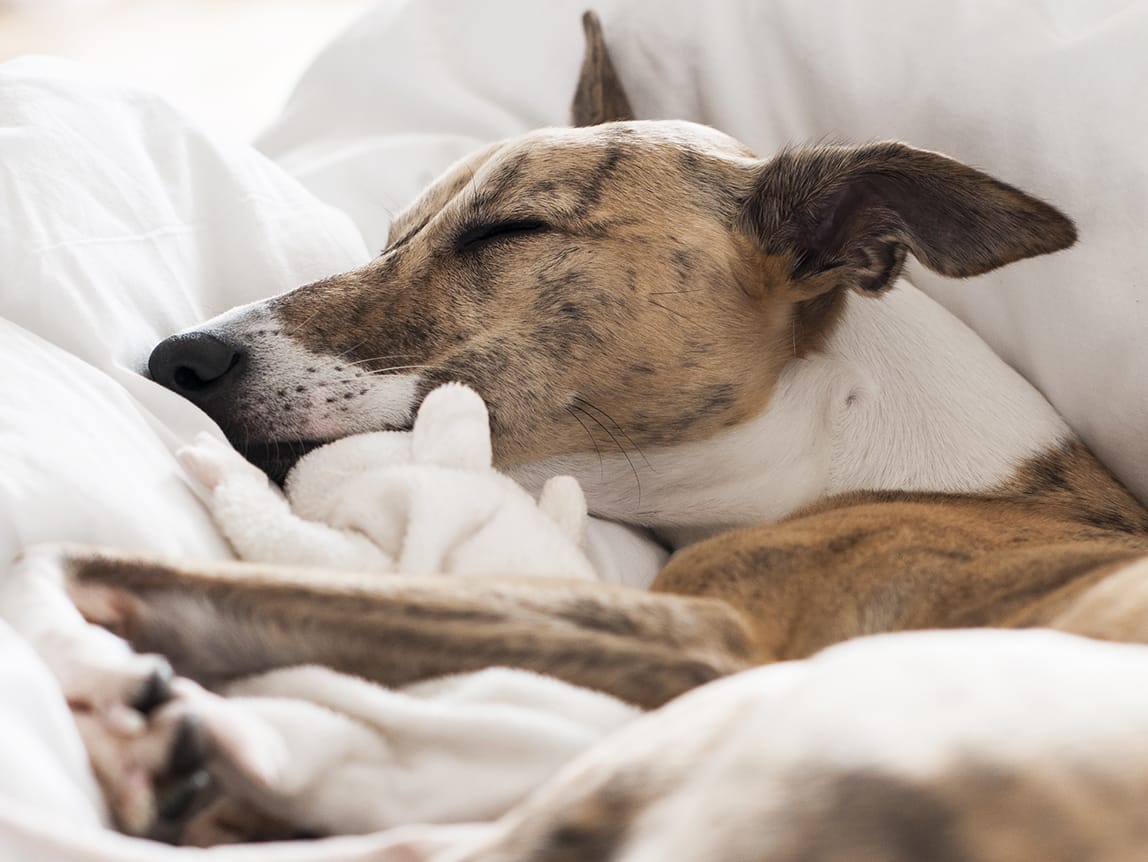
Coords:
pixel 338 754
pixel 422 502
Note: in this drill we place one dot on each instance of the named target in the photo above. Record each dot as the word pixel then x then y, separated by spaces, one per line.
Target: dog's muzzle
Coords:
pixel 209 371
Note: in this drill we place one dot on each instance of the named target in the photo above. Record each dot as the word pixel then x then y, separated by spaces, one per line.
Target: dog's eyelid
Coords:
pixel 505 229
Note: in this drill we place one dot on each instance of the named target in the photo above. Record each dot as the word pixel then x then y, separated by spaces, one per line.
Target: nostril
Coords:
pixel 195 363
pixel 187 378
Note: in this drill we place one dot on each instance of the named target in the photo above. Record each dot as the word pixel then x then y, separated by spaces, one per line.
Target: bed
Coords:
pixel 121 222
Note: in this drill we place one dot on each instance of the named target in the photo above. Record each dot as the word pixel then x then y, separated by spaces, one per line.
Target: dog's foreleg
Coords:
pixel 144 731
pixel 221 621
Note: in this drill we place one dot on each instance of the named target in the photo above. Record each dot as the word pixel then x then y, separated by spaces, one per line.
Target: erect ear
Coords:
pixel 599 97
pixel 846 216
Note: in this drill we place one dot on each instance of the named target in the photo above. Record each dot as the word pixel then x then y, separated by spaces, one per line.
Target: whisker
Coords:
pixel 278 459
pixel 473 185
pixel 367 375
pixel 621 430
pixel 669 310
pixel 343 353
pixel 376 372
pixel 621 448
pixel 377 358
pixel 246 436
pixel 391 368
pixel 594 443
pixel 306 320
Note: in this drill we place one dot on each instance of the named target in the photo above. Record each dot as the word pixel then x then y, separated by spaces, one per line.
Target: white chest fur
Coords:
pixel 932 407
pixel 903 397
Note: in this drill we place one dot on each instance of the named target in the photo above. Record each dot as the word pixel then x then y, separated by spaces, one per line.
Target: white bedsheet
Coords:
pixel 120 223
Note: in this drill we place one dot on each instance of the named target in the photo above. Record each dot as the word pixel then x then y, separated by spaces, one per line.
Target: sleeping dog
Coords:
pixel 720 349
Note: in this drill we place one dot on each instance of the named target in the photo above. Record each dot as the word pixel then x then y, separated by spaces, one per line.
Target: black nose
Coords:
pixel 197 365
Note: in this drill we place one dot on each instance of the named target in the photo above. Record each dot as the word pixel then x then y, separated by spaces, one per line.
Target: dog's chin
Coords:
pixel 276 457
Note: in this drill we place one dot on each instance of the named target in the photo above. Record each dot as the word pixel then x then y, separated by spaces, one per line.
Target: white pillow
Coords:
pixel 1044 94
pixel 119 224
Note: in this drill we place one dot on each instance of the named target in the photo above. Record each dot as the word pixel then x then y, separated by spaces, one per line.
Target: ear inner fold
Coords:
pixel 854 212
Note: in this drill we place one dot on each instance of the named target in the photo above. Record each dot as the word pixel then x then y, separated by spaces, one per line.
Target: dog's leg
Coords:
pixel 218 622
pixel 148 734
pixel 863 569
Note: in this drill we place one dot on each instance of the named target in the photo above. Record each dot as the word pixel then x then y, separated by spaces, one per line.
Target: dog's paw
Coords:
pixel 155 768
pixel 149 735
pixel 232 820
pixel 212 462
pixel 149 764
pixel 95 669
pixel 132 723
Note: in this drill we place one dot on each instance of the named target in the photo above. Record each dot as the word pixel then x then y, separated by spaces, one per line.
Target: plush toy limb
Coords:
pixel 259 523
pixel 564 503
pixel 452 430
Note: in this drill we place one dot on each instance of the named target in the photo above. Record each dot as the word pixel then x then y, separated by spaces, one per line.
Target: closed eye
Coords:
pixel 484 233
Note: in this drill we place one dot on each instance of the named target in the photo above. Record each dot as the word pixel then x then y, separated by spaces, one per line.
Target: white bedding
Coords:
pixel 121 223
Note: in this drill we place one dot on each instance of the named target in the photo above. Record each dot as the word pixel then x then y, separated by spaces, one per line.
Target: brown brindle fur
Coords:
pixel 691 275
pixel 597 329
pixel 394 631
pixel 877 562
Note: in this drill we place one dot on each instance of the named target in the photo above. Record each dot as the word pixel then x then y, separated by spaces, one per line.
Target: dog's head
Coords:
pixel 614 286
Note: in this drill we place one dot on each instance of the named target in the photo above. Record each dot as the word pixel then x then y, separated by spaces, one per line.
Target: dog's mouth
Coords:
pixel 276 457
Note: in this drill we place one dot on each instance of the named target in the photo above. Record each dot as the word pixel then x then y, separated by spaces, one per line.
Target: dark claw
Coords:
pixel 175 802
pixel 156 690
pixel 188 749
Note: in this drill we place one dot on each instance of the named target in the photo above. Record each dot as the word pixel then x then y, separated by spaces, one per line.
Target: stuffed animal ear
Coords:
pixel 564 503
pixel 846 216
pixel 599 97
pixel 452 430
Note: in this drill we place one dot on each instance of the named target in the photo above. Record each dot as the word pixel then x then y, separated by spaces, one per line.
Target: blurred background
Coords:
pixel 230 64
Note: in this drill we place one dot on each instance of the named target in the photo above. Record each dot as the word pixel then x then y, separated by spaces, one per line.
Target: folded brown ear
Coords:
pixel 847 215
pixel 599 97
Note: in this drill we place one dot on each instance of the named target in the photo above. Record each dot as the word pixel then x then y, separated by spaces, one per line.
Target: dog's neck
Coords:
pixel 902 397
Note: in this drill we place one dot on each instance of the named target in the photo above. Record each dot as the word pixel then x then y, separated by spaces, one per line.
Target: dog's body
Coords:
pixel 705 340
